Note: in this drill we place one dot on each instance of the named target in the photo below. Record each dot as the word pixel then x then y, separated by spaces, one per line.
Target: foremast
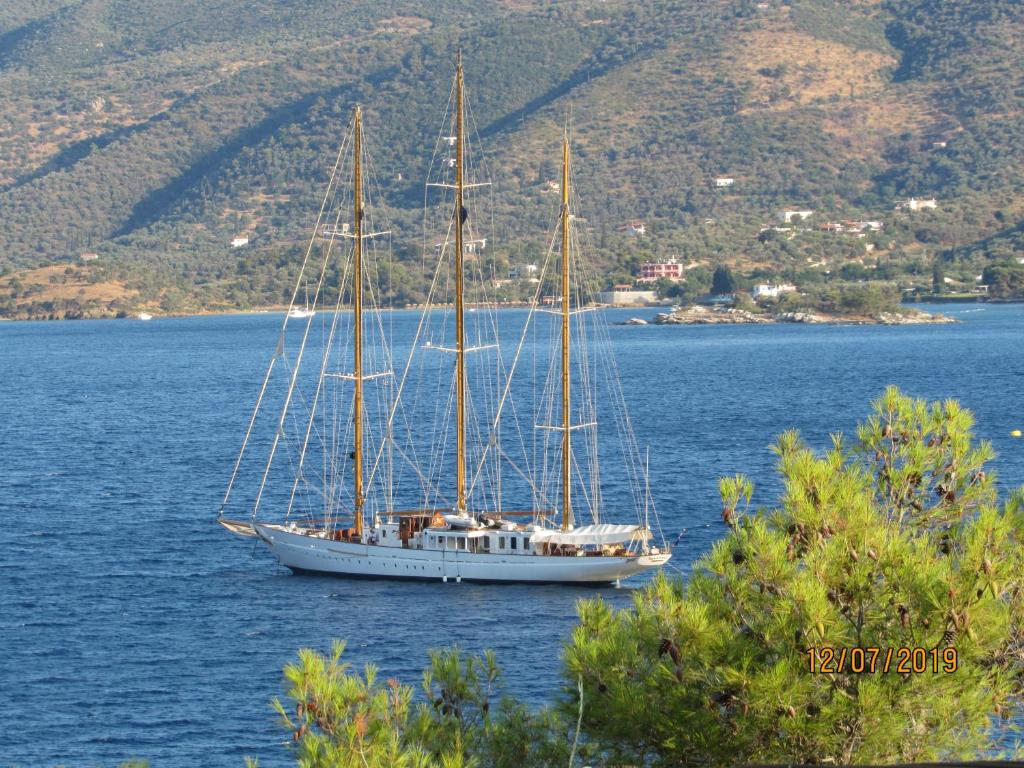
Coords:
pixel 460 334
pixel 357 321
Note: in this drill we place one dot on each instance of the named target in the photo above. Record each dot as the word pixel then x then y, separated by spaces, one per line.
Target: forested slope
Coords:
pixel 152 133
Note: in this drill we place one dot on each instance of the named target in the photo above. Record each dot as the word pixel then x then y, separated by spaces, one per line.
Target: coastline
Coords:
pixel 266 309
pixel 694 315
pixel 699 315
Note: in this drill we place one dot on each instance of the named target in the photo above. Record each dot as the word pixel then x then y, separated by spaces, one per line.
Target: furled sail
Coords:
pixel 603 533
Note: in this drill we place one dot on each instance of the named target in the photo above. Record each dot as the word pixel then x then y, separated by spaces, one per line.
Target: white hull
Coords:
pixel 309 553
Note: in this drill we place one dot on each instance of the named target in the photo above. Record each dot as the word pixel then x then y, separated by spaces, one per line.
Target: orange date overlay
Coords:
pixel 902 661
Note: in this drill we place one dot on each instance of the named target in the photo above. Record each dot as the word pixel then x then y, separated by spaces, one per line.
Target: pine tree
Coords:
pixel 938 277
pixel 894 540
pixel 346 720
pixel 722 281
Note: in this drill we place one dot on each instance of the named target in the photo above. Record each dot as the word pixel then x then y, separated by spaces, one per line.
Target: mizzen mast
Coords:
pixel 460 334
pixel 567 521
pixel 357 321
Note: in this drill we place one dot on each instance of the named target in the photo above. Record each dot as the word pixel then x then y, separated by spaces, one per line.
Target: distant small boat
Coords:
pixel 635 321
pixel 301 313
pixel 145 316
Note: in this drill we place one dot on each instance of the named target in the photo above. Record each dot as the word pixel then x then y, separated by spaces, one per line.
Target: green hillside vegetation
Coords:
pixel 153 133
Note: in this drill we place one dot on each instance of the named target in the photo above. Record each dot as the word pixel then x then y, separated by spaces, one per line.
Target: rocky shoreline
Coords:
pixel 699 315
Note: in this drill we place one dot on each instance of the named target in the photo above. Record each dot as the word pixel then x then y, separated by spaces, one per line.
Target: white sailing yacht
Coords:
pixel 303 312
pixel 461 540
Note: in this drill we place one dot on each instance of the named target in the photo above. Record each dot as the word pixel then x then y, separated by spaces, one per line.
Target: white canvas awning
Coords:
pixel 605 533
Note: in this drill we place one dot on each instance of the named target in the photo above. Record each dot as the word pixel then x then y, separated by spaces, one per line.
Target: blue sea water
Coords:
pixel 132 625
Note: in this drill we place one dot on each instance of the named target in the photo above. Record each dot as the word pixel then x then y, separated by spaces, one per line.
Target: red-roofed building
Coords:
pixel 653 271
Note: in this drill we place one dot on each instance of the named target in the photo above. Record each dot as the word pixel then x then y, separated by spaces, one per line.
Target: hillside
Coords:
pixel 152 134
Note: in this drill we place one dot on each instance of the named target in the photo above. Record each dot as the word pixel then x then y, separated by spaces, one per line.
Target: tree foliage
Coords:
pixel 341 719
pixel 844 298
pixel 722 280
pixel 894 540
pixel 1005 281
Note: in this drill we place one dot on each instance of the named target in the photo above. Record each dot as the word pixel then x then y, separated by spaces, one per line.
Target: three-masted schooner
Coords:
pixel 460 541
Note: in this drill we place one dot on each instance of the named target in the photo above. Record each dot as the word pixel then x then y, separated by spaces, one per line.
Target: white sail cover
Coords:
pixel 605 533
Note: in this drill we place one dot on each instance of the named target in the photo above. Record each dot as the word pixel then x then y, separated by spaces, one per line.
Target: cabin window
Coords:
pixel 512 542
pixel 460 543
pixel 501 542
pixel 384 533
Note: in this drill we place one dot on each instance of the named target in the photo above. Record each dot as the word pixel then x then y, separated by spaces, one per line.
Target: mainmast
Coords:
pixel 357 320
pixel 460 352
pixel 566 425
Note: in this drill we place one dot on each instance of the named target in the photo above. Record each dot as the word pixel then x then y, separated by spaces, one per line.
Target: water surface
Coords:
pixel 131 624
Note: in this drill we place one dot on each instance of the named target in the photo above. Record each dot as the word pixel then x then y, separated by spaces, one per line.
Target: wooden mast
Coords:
pixel 567 521
pixel 357 321
pixel 460 363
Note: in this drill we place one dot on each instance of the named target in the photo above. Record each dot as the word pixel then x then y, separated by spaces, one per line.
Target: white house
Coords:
pixel 636 228
pixel 873 225
pixel 239 241
pixel 724 181
pixel 790 216
pixel 523 272
pixel 916 204
pixel 89 257
pixel 771 291
pixel 473 245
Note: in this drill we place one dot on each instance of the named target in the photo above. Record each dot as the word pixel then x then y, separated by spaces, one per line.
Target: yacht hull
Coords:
pixel 312 554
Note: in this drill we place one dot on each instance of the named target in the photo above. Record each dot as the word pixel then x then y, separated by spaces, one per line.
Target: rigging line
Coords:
pixel 377 299
pixel 408 364
pixel 512 370
pixel 288 397
pixel 323 368
pixel 327 343
pixel 288 454
pixel 588 405
pixel 430 168
pixel 622 418
pixel 320 380
pixel 284 325
pixel 248 434
pixel 436 490
pixel 422 325
pixel 440 447
pixel 588 501
pixel 537 490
